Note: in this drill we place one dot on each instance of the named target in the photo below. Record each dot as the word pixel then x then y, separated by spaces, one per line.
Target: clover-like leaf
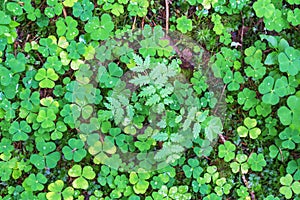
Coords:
pixel 67 27
pixel 293 168
pixel 249 128
pixel 277 22
pixel 293 16
pixel 83 10
pixel 4 18
pixel 207 4
pixel 82 174
pixel 291 114
pixel 75 150
pixel 264 8
pixel 47 47
pixel 222 187
pixel 272 92
pixel 256 162
pixel 69 3
pixel 56 191
pixel 289 61
pixel 46 118
pixel 75 51
pixel 297 2
pixel 227 151
pixel 139 181
pixel 256 70
pixel 46 77
pixel 54 8
pixel 99 149
pixel 5 146
pixel 240 164
pixel 184 24
pixel 17 64
pixel 289 186
pixel 46 157
pixel 99 30
pixel 192 169
pixel 290 138
pixel 15 8
pixel 247 98
pixel 233 80
pixel 111 76
pixel 34 182
pixel 278 152
pixel 20 131
pixel 5 78
pixel 138 7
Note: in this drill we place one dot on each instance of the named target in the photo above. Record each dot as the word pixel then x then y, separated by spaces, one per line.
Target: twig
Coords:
pixel 280 152
pixel 65 12
pixel 133 25
pixel 223 91
pixel 222 137
pixel 248 186
pixel 143 23
pixel 242 32
pixel 167 16
pixel 243 176
pixel 38 55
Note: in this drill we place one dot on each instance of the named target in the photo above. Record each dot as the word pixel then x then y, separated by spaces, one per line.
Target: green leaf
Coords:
pixel 286 189
pixel 99 30
pixel 247 98
pixel 138 8
pixel 213 129
pixel 133 178
pixel 34 182
pixel 227 151
pixel 69 3
pixel 67 27
pixel 257 162
pixel 83 10
pixel 20 131
pixel 290 138
pixel 80 183
pixel 15 8
pixel 264 8
pixel 4 19
pixel 75 171
pixel 88 172
pixel 46 118
pixel 272 92
pixel 47 47
pixel 55 190
pixel 289 61
pixel 183 24
pixel 293 16
pixel 250 128
pixel 277 22
pixel 38 161
pixel 5 78
pixel 46 78
pixel 17 64
pixel 290 115
pixel 75 150
pixel 233 80
pixel 293 167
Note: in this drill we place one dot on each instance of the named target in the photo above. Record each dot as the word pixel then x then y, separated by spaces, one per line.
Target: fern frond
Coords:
pixel 147 91
pixel 166 91
pixel 161 136
pixel 153 100
pixel 140 80
pixel 142 66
